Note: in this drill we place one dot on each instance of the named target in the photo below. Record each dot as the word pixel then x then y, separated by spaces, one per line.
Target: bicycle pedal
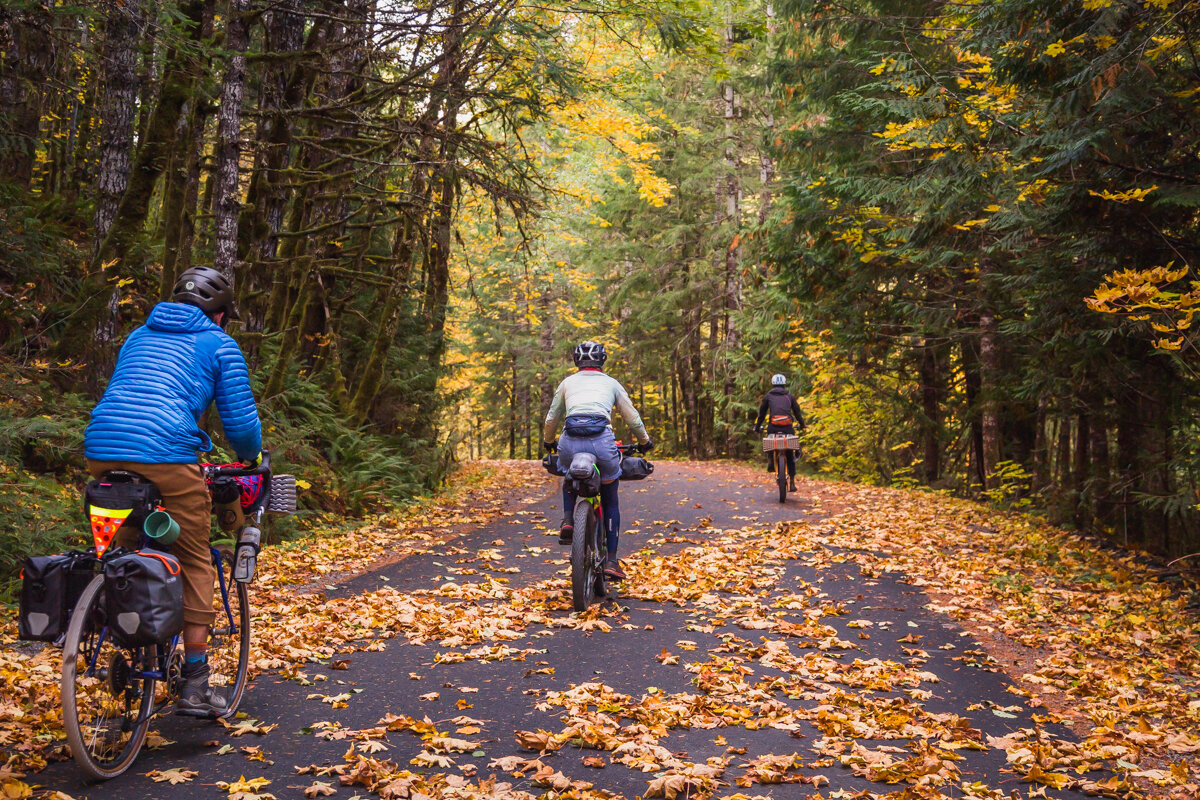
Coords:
pixel 283 494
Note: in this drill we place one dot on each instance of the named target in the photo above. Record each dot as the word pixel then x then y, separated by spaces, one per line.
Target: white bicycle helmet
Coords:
pixel 590 354
pixel 778 379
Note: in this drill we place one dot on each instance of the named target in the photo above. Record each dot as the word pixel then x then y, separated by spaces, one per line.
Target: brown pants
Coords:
pixel 185 497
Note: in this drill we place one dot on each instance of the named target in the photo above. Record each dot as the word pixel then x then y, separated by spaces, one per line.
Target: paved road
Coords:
pixel 681 506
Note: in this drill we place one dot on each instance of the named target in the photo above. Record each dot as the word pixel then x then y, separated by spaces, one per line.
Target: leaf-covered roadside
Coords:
pixel 1113 650
pixel 288 583
pixel 782 662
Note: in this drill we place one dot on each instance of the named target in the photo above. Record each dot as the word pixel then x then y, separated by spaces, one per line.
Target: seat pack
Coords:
pixel 118 498
pixel 584 475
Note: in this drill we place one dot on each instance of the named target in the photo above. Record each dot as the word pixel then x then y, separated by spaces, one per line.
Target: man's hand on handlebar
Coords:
pixel 549 447
pixel 646 446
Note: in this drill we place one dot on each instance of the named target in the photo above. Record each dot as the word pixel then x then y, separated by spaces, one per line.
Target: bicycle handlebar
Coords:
pixel 237 472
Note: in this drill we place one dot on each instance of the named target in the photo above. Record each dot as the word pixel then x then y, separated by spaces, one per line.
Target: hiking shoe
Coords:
pixel 792 488
pixel 613 571
pixel 565 533
pixel 197 698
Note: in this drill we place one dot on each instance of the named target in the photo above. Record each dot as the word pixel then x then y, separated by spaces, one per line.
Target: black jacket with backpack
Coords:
pixel 780 411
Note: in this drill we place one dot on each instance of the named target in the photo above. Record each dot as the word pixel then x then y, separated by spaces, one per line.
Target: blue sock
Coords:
pixel 612 516
pixel 195 652
pixel 568 503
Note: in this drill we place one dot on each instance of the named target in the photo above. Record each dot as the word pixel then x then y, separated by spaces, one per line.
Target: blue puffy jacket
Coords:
pixel 168 372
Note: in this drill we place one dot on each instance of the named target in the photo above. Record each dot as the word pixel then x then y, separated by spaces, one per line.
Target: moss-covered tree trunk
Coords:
pixel 26 71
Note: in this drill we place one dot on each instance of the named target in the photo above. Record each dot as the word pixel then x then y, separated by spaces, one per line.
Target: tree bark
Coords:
pixel 118 101
pixel 971 386
pixel 1130 434
pixel 178 83
pixel 1080 469
pixel 989 372
pixel 229 140
pixel 25 71
pixel 1101 470
pixel 931 422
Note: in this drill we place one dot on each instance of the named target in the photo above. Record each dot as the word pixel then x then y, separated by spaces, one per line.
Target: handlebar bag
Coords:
pixel 50 587
pixel 635 468
pixel 143 597
pixel 551 465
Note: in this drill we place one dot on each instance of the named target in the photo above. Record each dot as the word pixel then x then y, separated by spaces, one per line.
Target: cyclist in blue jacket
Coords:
pixel 168 372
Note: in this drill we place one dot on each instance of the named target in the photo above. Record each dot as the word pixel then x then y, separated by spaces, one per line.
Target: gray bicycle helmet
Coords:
pixel 590 354
pixel 778 379
pixel 206 288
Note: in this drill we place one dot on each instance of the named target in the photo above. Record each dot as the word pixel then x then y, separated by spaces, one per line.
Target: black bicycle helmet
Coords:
pixel 206 288
pixel 590 354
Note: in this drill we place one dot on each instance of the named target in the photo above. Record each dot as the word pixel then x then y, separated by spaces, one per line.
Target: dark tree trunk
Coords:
pixel 1130 428
pixel 1080 469
pixel 284 86
pixel 118 100
pixel 1100 468
pixel 971 386
pixel 989 372
pixel 28 62
pixel 931 408
pixel 1041 448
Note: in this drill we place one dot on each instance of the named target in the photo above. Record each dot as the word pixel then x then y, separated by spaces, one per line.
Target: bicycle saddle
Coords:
pixel 583 466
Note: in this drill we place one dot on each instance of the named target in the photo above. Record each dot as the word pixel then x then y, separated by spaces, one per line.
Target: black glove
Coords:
pixel 549 447
pixel 647 447
pixel 758 428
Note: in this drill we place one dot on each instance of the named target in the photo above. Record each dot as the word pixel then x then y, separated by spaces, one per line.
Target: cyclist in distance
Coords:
pixel 168 372
pixel 586 399
pixel 782 415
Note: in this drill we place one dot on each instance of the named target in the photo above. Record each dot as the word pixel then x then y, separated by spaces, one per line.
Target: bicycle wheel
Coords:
pixel 582 549
pixel 781 474
pixel 229 637
pixel 107 701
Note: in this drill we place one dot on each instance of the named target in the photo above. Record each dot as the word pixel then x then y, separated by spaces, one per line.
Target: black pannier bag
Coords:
pixel 118 498
pixel 50 587
pixel 550 464
pixel 143 597
pixel 584 476
pixel 635 468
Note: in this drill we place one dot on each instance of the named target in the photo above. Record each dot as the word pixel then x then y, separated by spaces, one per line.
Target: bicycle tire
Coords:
pixel 599 552
pixel 229 654
pixel 582 564
pixel 80 636
pixel 781 474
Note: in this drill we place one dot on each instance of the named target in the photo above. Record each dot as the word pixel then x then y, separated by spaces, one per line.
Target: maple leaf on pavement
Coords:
pixel 172 776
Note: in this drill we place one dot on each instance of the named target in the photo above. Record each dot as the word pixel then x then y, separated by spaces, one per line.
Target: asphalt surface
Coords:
pixel 677 507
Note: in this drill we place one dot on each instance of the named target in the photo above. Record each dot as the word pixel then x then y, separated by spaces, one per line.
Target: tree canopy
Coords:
pixel 964 231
